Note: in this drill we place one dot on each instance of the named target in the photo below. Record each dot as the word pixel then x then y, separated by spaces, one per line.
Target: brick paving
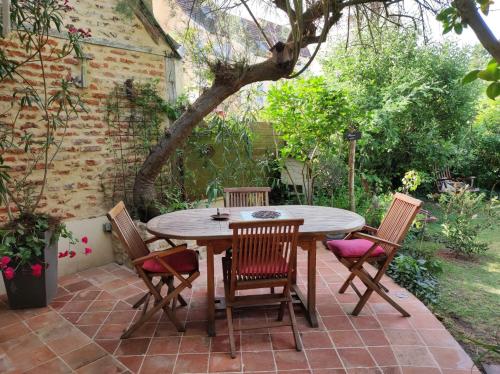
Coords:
pixel 79 332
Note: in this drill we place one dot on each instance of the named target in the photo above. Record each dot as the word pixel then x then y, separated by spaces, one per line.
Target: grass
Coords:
pixel 469 302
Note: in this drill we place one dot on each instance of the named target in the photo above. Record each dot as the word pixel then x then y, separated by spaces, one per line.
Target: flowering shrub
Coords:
pixel 23 240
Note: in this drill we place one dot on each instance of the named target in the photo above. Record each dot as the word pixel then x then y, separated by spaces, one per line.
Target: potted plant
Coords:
pixel 28 241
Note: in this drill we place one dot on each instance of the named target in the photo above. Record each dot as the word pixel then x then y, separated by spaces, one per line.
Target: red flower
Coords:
pixel 63 254
pixel 36 270
pixel 72 29
pixel 72 254
pixel 88 250
pixel 4 262
pixel 85 240
pixel 9 273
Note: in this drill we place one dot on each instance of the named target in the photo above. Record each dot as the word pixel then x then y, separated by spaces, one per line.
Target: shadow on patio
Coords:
pixel 80 332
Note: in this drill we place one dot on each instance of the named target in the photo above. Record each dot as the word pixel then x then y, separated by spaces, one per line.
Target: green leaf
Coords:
pixel 488 75
pixel 493 90
pixel 470 77
pixel 458 28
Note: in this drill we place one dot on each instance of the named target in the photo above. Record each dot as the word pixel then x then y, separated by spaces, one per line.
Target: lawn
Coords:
pixel 469 292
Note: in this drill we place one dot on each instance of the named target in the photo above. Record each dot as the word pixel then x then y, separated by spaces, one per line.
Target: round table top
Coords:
pixel 196 224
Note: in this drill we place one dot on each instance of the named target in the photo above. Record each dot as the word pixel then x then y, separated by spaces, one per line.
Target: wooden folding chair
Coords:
pixel 263 254
pixel 176 262
pixel 246 196
pixel 358 248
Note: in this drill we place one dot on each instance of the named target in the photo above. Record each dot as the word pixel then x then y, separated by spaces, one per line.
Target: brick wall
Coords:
pixel 121 49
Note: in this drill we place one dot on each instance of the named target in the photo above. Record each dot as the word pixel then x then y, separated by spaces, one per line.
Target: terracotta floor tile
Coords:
pixel 106 364
pixel 84 356
pixel 315 339
pixel 78 286
pixel 159 346
pixel 373 337
pixel 47 319
pixel 51 367
pixel 403 337
pixel 425 321
pixel 195 344
pixel 89 330
pixel 323 358
pixel 282 340
pixel 364 322
pixel 255 342
pixel 158 364
pixel 329 371
pixel 391 321
pixel 438 338
pixel 220 343
pixel 191 363
pixel 337 323
pixel 108 331
pixel 384 356
pixel 101 306
pixel 12 331
pixel 73 339
pixel 346 338
pixel 132 347
pixel 413 356
pixel 86 295
pixel 72 317
pixel 330 309
pixel 133 363
pixel 8 317
pixel 287 360
pixel 355 357
pixel 75 307
pixel 92 318
pixel 258 361
pixel 419 370
pixel 109 345
pixel 451 358
pixel 222 362
pixel 168 329
pixel 391 370
pixel 26 352
pixel 120 317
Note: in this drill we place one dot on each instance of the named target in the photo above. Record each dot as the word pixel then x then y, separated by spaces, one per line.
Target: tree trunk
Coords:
pixel 228 81
pixel 470 14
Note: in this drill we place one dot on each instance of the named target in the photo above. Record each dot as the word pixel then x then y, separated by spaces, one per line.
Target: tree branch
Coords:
pixel 469 13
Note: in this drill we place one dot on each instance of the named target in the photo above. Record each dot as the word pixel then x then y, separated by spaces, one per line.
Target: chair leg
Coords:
pixel 181 300
pixel 281 311
pixel 298 343
pixel 229 316
pixel 139 302
pixel 346 283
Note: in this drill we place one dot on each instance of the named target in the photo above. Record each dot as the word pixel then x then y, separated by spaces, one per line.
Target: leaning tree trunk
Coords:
pixel 228 81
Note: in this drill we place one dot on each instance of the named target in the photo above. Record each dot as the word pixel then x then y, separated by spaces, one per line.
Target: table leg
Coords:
pixel 311 284
pixel 210 290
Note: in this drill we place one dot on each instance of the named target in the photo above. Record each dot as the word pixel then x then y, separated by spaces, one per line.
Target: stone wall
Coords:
pixel 120 49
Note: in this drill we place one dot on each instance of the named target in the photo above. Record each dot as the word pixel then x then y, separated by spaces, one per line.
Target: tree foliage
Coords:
pixel 414 109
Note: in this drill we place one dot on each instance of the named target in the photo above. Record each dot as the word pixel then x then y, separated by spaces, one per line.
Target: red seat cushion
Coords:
pixel 353 248
pixel 183 262
pixel 279 268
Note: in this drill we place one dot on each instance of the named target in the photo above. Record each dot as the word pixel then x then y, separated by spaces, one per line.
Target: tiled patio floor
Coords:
pixel 80 333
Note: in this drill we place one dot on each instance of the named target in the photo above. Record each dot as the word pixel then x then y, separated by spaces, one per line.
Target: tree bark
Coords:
pixel 470 14
pixel 352 164
pixel 228 81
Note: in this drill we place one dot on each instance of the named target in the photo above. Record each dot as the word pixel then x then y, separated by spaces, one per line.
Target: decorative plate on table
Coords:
pixel 266 214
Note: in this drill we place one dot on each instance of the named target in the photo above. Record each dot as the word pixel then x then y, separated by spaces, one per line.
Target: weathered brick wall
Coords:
pixel 121 49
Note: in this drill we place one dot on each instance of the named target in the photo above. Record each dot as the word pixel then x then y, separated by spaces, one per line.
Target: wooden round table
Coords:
pixel 196 224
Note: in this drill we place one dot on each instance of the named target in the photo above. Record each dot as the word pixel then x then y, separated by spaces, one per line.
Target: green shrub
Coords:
pixel 465 216
pixel 417 275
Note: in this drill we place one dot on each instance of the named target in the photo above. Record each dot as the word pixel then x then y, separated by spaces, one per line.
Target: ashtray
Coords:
pixel 220 216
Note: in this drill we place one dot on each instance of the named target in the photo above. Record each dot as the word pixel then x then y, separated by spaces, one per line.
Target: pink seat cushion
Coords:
pixel 182 262
pixel 279 268
pixel 353 248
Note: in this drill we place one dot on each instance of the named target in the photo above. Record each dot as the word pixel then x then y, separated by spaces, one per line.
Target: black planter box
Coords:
pixel 27 291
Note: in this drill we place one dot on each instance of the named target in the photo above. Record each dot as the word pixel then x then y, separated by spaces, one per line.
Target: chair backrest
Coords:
pixel 126 230
pixel 246 196
pixel 263 249
pixel 443 173
pixel 398 219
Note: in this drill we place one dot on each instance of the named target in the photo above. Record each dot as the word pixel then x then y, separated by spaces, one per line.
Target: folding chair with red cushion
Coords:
pixel 263 257
pixel 381 247
pixel 177 262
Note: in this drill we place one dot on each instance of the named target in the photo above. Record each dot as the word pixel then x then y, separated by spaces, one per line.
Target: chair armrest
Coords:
pixel 159 254
pixel 374 239
pixel 369 228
